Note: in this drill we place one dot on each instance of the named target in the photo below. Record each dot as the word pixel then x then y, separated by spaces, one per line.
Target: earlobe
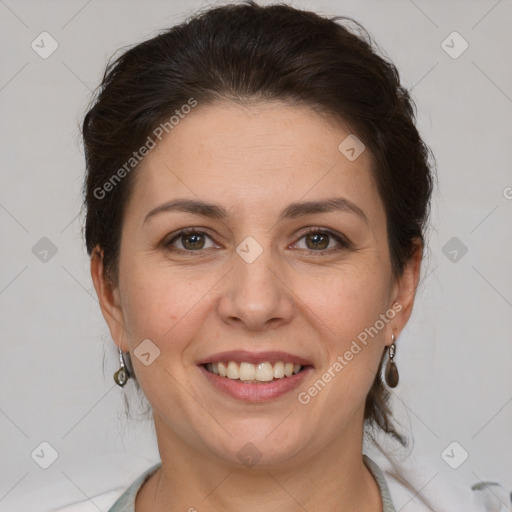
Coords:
pixel 109 300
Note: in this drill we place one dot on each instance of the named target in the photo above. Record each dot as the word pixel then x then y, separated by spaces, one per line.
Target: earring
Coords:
pixel 121 376
pixel 391 373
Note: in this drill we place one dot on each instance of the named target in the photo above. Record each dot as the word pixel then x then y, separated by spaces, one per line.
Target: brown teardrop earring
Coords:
pixel 121 376
pixel 391 373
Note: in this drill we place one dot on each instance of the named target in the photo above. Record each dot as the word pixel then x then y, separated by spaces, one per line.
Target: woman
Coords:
pixel 257 196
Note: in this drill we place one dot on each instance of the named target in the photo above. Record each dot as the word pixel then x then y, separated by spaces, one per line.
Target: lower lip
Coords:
pixel 256 392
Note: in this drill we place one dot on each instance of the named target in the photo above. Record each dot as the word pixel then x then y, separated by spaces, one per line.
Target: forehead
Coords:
pixel 254 159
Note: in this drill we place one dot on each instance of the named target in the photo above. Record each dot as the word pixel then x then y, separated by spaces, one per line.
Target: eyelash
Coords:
pixel 188 231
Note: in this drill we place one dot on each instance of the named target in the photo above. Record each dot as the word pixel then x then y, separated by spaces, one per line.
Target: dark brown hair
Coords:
pixel 246 52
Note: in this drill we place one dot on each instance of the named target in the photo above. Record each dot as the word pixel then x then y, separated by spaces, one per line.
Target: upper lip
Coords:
pixel 255 357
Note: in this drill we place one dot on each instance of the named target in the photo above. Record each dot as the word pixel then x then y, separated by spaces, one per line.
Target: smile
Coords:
pixel 255 376
pixel 253 373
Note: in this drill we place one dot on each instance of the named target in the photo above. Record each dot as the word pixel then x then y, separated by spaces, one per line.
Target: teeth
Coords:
pixel 233 370
pixel 223 369
pixel 264 372
pixel 248 372
pixel 279 370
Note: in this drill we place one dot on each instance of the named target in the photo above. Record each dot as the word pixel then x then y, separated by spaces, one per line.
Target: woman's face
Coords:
pixel 248 284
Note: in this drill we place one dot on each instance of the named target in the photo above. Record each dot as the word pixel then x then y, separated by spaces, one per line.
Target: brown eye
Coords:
pixel 318 241
pixel 188 240
pixel 193 241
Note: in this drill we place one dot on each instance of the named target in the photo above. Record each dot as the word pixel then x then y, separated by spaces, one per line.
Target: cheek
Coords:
pixel 156 298
pixel 351 327
pixel 148 308
pixel 348 299
pixel 164 310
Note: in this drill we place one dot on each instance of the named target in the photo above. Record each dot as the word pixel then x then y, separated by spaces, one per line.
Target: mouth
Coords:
pixel 255 377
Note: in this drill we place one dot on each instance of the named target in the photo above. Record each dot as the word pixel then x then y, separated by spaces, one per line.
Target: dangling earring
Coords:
pixel 121 376
pixel 391 373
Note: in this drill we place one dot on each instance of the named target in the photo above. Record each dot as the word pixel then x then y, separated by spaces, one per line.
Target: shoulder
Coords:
pixel 117 500
pixel 100 502
pixel 418 486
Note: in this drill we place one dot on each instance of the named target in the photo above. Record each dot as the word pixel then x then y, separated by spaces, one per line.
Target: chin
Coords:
pixel 263 446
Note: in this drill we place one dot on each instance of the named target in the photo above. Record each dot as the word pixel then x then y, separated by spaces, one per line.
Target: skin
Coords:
pixel 255 160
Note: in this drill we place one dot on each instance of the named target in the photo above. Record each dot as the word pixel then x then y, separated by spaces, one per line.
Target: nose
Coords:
pixel 255 295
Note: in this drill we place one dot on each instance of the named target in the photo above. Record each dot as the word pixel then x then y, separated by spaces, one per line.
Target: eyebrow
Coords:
pixel 292 211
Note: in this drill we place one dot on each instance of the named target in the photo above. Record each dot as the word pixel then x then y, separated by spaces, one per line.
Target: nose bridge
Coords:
pixel 255 294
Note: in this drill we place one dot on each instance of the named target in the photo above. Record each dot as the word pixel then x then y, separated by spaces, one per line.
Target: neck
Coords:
pixel 334 479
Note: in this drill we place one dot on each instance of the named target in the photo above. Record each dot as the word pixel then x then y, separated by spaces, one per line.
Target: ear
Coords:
pixel 404 292
pixel 109 299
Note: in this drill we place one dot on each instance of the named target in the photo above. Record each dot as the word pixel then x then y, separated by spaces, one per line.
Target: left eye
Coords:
pixel 318 241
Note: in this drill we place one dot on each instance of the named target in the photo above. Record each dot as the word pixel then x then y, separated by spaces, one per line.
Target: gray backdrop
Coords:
pixel 456 352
